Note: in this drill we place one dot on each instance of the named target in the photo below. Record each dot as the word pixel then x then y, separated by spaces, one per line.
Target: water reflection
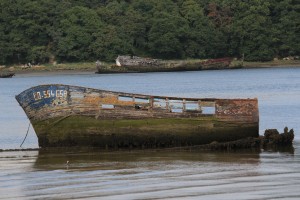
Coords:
pixel 138 174
pixel 87 159
pixel 99 159
pixel 289 149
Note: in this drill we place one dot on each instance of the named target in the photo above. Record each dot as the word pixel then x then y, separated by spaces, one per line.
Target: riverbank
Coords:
pixel 91 66
pixel 48 68
pixel 269 64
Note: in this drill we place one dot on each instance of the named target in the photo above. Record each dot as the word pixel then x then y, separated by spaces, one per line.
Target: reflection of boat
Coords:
pixel 64 115
pixel 95 159
pixel 6 75
pixel 125 64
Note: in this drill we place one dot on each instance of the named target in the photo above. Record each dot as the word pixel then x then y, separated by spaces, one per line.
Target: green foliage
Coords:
pixel 80 30
pixel 77 33
pixel 252 29
pixel 108 44
pixel 38 54
pixel 286 26
pixel 165 36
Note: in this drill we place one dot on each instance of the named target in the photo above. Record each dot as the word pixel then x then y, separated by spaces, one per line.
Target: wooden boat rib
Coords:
pixel 134 64
pixel 65 115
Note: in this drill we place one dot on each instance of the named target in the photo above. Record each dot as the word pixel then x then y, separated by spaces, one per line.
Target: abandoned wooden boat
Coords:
pixel 134 64
pixel 6 75
pixel 65 115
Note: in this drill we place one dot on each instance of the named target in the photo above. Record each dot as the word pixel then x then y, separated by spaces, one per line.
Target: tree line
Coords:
pixel 40 31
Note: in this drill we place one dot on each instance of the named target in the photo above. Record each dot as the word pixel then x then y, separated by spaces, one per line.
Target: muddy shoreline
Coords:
pixel 90 67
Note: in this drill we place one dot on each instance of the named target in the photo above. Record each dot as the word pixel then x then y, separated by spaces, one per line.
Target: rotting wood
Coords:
pixel 134 64
pixel 83 115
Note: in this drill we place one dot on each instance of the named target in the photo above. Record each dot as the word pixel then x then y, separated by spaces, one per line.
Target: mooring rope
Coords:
pixel 25 135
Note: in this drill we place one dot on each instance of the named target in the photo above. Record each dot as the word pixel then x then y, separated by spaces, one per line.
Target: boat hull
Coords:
pixel 140 65
pixel 144 133
pixel 6 75
pixel 65 115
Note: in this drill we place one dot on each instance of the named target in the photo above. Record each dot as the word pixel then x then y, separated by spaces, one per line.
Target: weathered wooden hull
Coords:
pixel 6 75
pixel 64 115
pixel 167 66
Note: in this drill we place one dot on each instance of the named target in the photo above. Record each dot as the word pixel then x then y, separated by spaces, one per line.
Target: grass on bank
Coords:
pixel 78 66
pixel 274 63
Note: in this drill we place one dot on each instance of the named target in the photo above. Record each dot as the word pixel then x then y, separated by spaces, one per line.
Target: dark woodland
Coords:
pixel 41 31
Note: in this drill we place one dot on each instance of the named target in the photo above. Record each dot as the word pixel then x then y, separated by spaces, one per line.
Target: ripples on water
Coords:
pixel 156 174
pixel 150 175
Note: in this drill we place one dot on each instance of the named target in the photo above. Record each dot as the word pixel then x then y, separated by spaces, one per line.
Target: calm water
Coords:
pixel 156 174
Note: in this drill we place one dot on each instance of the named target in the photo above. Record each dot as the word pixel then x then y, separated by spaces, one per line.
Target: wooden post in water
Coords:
pixel 183 105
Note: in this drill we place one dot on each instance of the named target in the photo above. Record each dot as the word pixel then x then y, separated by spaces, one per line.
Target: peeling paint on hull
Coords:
pixel 64 115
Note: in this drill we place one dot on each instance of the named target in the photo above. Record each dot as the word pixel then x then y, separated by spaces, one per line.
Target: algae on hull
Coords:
pixel 147 133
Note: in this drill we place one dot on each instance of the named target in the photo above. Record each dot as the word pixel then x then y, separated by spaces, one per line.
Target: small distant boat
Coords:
pixel 65 115
pixel 135 64
pixel 6 75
